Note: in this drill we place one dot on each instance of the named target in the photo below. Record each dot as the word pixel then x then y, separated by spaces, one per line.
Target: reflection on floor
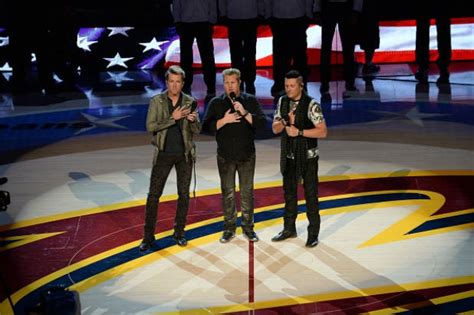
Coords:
pixel 396 199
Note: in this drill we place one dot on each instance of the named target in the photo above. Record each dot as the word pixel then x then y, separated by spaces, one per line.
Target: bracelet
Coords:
pixel 246 113
pixel 300 132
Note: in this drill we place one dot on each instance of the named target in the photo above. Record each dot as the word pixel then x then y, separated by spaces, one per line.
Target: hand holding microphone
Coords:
pixel 238 107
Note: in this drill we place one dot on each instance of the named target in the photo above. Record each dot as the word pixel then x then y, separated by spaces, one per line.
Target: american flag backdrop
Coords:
pixel 137 48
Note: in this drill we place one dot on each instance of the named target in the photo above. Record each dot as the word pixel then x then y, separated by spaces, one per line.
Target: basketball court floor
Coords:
pixel 396 195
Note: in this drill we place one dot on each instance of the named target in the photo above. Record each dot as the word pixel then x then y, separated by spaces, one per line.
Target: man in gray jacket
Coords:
pixel 194 20
pixel 173 120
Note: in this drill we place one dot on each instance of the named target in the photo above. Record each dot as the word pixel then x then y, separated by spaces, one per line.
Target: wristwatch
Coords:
pixel 300 132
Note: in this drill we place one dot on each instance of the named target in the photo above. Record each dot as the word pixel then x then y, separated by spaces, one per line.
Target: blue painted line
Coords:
pixel 444 222
pixel 131 254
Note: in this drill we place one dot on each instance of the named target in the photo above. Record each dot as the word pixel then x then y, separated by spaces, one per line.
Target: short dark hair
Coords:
pixel 294 74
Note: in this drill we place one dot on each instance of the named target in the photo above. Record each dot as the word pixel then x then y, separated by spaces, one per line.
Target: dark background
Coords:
pixel 91 13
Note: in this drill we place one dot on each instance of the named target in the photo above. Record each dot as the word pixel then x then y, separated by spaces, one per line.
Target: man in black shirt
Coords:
pixel 234 116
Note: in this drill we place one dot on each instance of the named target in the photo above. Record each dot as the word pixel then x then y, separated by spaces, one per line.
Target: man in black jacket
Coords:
pixel 234 116
pixel 300 121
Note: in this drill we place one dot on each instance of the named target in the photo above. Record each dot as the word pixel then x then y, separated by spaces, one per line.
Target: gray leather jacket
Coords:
pixel 159 119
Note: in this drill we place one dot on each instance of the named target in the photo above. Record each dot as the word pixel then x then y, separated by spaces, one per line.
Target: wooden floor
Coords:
pixel 396 197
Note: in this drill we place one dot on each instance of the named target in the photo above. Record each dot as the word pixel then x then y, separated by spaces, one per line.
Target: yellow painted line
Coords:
pixel 95 210
pixel 451 214
pixel 207 192
pixel 326 297
pixel 398 230
pixel 20 240
pixel 396 175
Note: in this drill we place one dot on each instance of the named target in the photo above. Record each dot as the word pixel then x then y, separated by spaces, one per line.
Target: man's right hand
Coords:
pixel 229 118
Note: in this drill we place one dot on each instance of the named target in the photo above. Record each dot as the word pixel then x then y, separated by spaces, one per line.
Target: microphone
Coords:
pixel 232 96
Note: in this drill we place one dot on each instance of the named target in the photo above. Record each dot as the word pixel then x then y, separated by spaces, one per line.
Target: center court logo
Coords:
pixel 88 247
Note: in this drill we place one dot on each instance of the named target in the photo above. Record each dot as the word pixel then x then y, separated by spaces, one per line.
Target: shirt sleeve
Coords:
pixel 277 114
pixel 315 113
pixel 210 120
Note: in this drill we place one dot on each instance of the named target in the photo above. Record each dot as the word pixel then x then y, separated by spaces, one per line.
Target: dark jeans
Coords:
pixel 202 32
pixel 290 188
pixel 159 175
pixel 243 47
pixel 246 171
pixel 337 14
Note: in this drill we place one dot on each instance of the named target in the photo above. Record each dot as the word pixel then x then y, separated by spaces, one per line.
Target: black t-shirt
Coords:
pixel 235 142
pixel 174 144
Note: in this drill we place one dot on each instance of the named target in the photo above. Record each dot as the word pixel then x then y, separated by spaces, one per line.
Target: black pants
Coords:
pixel 337 14
pixel 246 171
pixel 290 188
pixel 159 175
pixel 243 48
pixel 202 32
pixel 289 49
pixel 443 28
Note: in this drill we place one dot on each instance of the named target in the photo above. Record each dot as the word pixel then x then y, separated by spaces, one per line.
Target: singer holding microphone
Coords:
pixel 300 121
pixel 233 117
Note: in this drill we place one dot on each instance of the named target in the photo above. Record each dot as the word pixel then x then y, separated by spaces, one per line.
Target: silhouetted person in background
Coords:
pixel 440 12
pixel 242 22
pixel 328 14
pixel 194 20
pixel 63 54
pixel 48 31
pixel 369 35
pixel 28 32
pixel 289 20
